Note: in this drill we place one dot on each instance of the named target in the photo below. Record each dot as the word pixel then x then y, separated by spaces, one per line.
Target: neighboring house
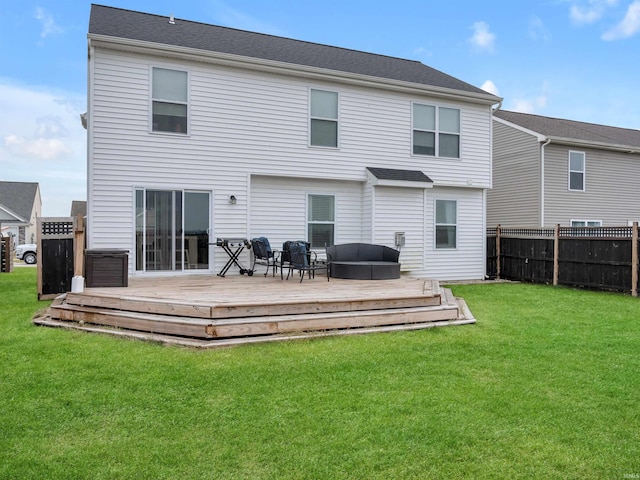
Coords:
pixel 198 132
pixel 549 171
pixel 20 205
pixel 78 207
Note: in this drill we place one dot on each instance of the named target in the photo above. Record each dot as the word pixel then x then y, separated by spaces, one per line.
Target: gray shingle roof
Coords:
pixel 571 129
pixel 400 175
pixel 127 24
pixel 78 207
pixel 19 197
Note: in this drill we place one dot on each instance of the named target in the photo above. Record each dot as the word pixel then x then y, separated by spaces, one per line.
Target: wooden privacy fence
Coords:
pixel 595 257
pixel 60 250
pixel 6 254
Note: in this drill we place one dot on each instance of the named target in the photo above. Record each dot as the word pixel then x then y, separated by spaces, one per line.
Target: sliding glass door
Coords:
pixel 172 230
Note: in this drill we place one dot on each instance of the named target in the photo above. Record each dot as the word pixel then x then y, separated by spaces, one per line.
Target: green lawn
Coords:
pixel 545 385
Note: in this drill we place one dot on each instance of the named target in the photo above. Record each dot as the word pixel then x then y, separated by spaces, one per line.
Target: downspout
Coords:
pixel 547 142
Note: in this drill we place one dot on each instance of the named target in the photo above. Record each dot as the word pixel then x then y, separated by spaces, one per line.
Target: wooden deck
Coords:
pixel 210 311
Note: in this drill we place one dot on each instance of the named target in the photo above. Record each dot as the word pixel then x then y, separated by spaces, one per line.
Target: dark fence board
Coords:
pixel 57 261
pixel 527 259
pixel 592 257
pixel 55 256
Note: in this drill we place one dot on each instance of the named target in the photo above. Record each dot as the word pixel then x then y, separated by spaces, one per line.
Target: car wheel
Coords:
pixel 30 258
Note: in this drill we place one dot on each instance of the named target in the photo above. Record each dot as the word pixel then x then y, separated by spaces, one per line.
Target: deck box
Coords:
pixel 106 268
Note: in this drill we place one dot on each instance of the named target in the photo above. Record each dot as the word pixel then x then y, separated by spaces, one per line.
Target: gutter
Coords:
pixel 616 147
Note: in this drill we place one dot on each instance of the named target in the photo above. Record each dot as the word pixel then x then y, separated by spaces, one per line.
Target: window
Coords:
pixel 171 230
pixel 169 100
pixel 576 171
pixel 324 119
pixel 446 223
pixel 436 131
pixel 321 218
pixel 586 223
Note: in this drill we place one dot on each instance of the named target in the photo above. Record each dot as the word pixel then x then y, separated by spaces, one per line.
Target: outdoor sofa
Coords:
pixel 362 261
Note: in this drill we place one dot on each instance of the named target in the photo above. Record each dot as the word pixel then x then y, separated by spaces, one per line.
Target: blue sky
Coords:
pixel 576 59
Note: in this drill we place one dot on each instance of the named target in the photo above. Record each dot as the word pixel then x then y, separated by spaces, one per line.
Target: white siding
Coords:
pixel 279 208
pixel 467 261
pixel 401 210
pixel 244 123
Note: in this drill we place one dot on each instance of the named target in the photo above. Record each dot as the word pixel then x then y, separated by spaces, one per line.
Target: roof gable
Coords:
pixel 19 197
pixel 137 26
pixel 558 128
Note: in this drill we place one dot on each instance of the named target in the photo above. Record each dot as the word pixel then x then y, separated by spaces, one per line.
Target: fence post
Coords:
pixel 634 260
pixel 556 262
pixel 498 252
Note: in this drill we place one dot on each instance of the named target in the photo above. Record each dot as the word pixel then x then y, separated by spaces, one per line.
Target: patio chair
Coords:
pixel 285 256
pixel 264 255
pixel 303 259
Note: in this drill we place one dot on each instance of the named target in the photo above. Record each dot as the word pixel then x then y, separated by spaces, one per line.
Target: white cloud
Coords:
pixel 42 140
pixel 49 26
pixel 482 38
pixel 589 12
pixel 490 87
pixel 526 105
pixel 422 52
pixel 537 30
pixel 628 27
pixel 226 15
pixel 39 148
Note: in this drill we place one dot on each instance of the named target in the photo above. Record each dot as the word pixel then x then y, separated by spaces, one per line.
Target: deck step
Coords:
pixel 251 326
pixel 242 309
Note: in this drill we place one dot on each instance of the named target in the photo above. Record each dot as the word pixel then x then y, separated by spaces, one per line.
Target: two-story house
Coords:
pixel 20 206
pixel 198 132
pixel 549 171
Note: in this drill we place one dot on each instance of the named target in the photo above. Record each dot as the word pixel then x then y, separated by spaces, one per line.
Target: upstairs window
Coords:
pixel 576 171
pixel 436 131
pixel 586 223
pixel 324 119
pixel 446 223
pixel 169 100
pixel 321 220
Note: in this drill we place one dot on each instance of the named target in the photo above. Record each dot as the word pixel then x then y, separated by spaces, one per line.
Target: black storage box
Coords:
pixel 106 268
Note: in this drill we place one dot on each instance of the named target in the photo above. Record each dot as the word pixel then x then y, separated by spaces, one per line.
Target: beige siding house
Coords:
pixel 20 206
pixel 549 171
pixel 198 132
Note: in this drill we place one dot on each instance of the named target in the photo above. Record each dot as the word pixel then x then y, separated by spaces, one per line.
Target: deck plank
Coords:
pixel 242 308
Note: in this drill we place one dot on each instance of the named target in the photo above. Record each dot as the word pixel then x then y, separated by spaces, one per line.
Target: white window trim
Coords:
pixel 335 215
pixel 583 171
pixel 437 131
pixel 170 187
pixel 436 224
pixel 586 222
pixel 337 120
pixel 188 102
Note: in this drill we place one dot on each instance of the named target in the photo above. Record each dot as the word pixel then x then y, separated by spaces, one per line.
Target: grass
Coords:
pixel 545 385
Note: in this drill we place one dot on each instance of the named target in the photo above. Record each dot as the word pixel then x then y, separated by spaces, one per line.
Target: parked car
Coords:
pixel 27 252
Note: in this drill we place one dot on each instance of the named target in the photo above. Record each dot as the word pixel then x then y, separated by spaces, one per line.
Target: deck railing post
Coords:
pixel 498 252
pixel 634 260
pixel 556 262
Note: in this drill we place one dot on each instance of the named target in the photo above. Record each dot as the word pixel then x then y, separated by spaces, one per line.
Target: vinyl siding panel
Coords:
pixel 467 260
pixel 279 208
pixel 401 210
pixel 515 196
pixel 246 126
pixel 611 194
